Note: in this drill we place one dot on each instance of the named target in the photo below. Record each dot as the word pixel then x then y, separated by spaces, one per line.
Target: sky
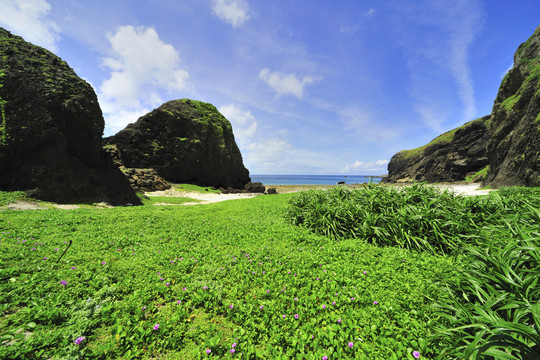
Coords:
pixel 309 86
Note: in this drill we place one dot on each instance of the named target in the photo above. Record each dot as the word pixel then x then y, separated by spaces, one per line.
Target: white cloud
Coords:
pixel 363 168
pixel 142 68
pixel 370 13
pixel 234 12
pixel 29 19
pixel 243 122
pixel 286 84
pixel 269 155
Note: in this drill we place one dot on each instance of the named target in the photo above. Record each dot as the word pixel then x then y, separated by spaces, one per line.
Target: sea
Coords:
pixel 314 179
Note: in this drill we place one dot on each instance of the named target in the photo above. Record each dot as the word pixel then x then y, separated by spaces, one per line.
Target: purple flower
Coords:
pixel 144 308
pixel 262 307
pixel 416 354
pixel 231 306
pixel 324 306
pixel 44 258
pixel 339 321
pixel 178 302
pixel 208 351
pixel 233 345
pixel 205 287
pixel 352 299
pixel 295 299
pixel 79 340
pixel 232 351
pixel 155 327
pixel 184 289
pixel 296 316
pixel 365 272
pixel 73 267
pixel 284 316
pixel 167 284
pixel 350 344
pixel 324 357
pixel 333 303
pixel 63 282
pixel 267 291
pixel 375 302
pixel 103 263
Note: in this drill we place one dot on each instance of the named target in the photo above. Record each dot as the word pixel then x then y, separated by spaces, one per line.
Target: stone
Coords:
pixel 254 187
pixel 185 141
pixel 51 130
pixel 271 191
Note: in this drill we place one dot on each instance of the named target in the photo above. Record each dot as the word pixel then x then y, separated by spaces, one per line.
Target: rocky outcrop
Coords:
pixel 501 149
pixel 514 147
pixel 51 130
pixel 453 156
pixel 184 141
pixel 146 180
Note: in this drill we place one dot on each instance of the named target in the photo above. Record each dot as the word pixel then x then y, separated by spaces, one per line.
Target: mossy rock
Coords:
pixel 51 129
pixel 185 141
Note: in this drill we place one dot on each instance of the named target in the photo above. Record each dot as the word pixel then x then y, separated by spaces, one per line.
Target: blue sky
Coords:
pixel 310 86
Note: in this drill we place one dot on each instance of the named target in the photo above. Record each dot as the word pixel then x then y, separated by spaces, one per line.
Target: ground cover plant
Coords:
pixel 225 280
pixel 492 310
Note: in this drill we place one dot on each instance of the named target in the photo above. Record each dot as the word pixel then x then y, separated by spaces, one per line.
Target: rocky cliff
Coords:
pixel 51 130
pixel 501 149
pixel 184 141
pixel 456 155
pixel 514 147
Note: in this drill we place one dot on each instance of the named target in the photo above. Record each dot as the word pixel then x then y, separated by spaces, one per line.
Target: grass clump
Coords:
pixel 418 218
pixel 196 188
pixel 170 200
pixel 8 197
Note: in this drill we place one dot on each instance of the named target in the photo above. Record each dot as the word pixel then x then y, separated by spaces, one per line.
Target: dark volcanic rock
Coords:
pixel 452 156
pixel 50 130
pixel 514 148
pixel 254 187
pixel 184 141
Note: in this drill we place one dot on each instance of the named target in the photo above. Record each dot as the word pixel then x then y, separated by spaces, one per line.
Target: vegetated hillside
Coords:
pixel 184 141
pixel 50 130
pixel 514 148
pixel 453 156
pixel 503 148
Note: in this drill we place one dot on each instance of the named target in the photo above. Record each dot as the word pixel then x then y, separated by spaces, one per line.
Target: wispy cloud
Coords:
pixel 141 66
pixel 30 19
pixel 286 84
pixel 352 29
pixel 361 167
pixel 233 12
pixel 437 37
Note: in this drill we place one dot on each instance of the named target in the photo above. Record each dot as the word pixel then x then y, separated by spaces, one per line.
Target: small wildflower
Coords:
pixel 350 344
pixel 352 299
pixel 375 302
pixel 231 306
pixel 324 306
pixel 63 282
pixel 416 354
pixel 73 267
pixel 167 284
pixel 233 345
pixel 333 303
pixel 295 299
pixel 103 263
pixel 232 351
pixel 339 321
pixel 184 289
pixel 155 327
pixel 284 316
pixel 262 307
pixel 205 287
pixel 267 291
pixel 44 258
pixel 208 351
pixel 324 357
pixel 79 340
pixel 179 302
pixel 144 308
pixel 296 316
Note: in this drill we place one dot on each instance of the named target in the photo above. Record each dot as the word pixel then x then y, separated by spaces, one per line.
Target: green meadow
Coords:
pixel 374 273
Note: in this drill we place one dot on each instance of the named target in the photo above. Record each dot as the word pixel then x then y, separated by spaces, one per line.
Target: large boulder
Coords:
pixel 514 148
pixel 184 141
pixel 453 156
pixel 51 130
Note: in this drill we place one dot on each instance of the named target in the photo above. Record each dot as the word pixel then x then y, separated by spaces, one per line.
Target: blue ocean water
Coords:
pixel 312 179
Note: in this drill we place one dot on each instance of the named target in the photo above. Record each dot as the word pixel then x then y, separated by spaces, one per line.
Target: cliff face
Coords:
pixel 502 149
pixel 514 148
pixel 453 156
pixel 184 141
pixel 50 130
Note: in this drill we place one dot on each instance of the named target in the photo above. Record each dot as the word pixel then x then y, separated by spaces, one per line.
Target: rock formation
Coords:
pixel 502 149
pixel 514 148
pixel 453 156
pixel 50 130
pixel 184 141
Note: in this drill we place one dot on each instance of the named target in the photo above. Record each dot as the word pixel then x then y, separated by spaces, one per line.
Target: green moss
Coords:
pixel 3 123
pixel 445 137
pixel 511 101
pixel 482 172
